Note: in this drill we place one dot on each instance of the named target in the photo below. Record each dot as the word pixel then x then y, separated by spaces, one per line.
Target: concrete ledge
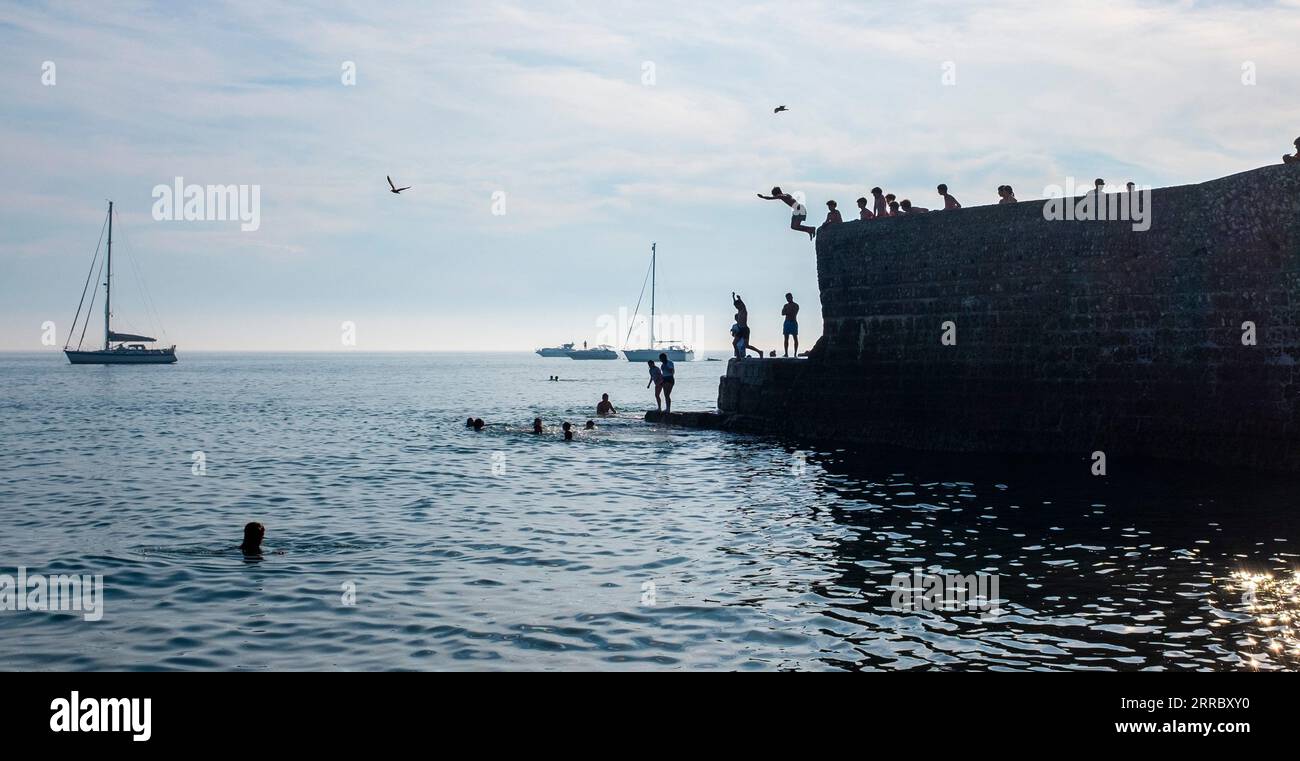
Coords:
pixel 687 419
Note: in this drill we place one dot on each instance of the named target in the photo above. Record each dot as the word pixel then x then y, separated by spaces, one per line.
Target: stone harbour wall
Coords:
pixel 1062 336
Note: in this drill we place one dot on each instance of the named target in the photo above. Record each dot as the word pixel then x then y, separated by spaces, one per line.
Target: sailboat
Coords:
pixel 675 352
pixel 130 348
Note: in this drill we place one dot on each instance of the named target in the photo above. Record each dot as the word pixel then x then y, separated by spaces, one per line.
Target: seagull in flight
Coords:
pixel 396 189
pixel 779 109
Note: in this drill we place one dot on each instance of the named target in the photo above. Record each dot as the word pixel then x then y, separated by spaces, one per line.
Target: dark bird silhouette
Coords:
pixel 396 189
pixel 779 109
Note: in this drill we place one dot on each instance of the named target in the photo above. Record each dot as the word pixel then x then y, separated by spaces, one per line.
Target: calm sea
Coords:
pixel 397 539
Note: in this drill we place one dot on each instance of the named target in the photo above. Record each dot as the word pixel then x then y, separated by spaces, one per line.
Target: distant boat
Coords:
pixel 555 351
pixel 596 352
pixel 674 352
pixel 130 348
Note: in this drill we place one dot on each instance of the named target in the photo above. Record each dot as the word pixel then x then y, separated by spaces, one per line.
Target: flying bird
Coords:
pixel 779 109
pixel 396 189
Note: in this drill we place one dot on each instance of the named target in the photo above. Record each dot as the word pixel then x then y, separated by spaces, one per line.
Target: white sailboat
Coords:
pixel 675 352
pixel 130 348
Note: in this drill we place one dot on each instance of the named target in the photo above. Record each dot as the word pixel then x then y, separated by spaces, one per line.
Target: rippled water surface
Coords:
pixel 635 546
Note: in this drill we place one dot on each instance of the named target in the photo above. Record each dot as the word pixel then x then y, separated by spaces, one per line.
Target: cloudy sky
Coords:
pixel 605 125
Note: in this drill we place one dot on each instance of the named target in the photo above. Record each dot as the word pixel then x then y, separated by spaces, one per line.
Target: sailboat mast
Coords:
pixel 108 279
pixel 652 295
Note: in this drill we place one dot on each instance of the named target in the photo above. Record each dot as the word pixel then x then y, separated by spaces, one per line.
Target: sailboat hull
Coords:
pixel 652 355
pixel 122 357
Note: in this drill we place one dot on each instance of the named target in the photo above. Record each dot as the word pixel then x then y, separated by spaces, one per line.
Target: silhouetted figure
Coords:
pixel 790 328
pixel 568 431
pixel 537 425
pixel 892 203
pixel 832 215
pixel 469 422
pixel 798 213
pixel 591 425
pixel 908 208
pixel 1130 186
pixel 863 212
pixel 669 371
pixel 1296 158
pixel 1099 186
pixel 779 109
pixel 1006 194
pixel 893 208
pixel 948 201
pixel 478 424
pixel 737 339
pixel 742 319
pixel 605 406
pixel 657 380
pixel 253 535
pixel 394 189
pixel 880 206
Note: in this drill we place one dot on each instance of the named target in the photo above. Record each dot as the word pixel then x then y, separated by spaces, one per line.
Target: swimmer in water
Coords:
pixel 253 534
pixel 605 407
pixel 469 422
pixel 568 432
pixel 478 424
pixel 591 425
pixel 537 425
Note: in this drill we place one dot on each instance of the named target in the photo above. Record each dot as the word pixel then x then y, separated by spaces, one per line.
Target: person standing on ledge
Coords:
pixel 1296 158
pixel 798 213
pixel 948 201
pixel 791 326
pixel 669 370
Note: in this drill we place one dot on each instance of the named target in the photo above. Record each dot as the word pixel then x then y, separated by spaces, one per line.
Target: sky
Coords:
pixel 548 144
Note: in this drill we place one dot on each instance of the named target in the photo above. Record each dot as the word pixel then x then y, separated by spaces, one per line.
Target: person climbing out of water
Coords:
pixel 253 535
pixel 908 208
pixel 657 380
pixel 537 425
pixel 669 370
pixel 863 212
pixel 568 431
pixel 798 213
pixel 605 407
pixel 742 319
pixel 1287 159
pixel 880 205
pixel 591 425
pixel 948 201
pixel 791 325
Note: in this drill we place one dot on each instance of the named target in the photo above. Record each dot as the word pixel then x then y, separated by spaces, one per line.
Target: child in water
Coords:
pixel 253 534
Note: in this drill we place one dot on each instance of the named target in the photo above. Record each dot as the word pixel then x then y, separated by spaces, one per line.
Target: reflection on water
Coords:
pixel 399 539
